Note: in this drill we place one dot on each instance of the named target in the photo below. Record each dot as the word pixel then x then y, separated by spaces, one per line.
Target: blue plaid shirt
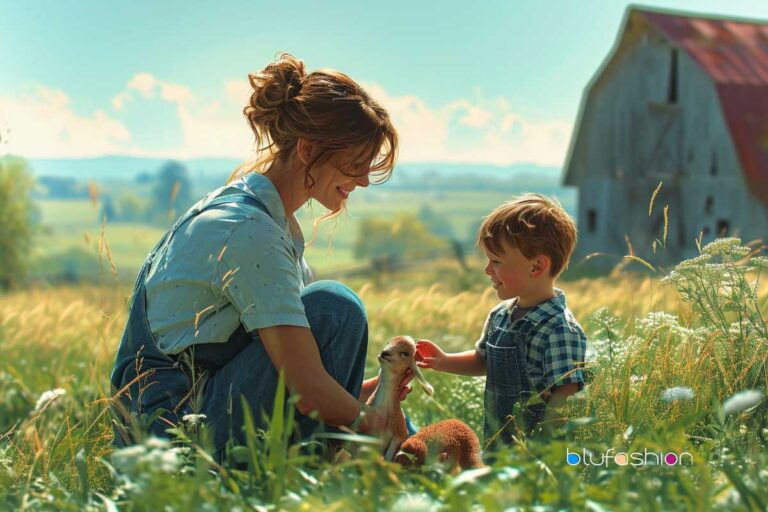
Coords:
pixel 556 342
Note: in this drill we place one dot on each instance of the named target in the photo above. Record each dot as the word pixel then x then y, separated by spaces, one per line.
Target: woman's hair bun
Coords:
pixel 273 87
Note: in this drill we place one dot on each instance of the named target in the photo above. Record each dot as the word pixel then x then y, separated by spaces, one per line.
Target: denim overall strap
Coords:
pixel 508 386
pixel 151 386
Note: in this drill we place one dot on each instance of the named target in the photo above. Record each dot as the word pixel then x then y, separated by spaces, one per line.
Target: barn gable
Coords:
pixel 733 53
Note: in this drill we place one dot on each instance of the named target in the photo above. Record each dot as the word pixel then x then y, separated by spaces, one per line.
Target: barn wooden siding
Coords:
pixel 653 114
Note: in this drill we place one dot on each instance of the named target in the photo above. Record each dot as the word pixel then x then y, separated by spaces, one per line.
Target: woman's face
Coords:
pixel 337 178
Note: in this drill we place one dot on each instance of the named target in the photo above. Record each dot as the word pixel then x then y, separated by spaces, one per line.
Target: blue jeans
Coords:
pixel 152 390
pixel 150 380
pixel 338 322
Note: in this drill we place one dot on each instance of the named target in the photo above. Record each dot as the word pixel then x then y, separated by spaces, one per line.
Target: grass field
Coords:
pixel 73 236
pixel 676 367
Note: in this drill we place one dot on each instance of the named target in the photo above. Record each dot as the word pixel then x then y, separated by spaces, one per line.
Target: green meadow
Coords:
pixel 672 417
pixel 73 237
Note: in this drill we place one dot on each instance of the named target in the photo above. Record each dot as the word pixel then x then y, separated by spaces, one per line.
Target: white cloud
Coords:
pixel 175 92
pixel 144 83
pixel 238 91
pixel 463 130
pixel 473 115
pixel 120 100
pixel 213 128
pixel 478 130
pixel 43 124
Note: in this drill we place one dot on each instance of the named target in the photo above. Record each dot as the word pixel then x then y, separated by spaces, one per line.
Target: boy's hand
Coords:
pixel 429 355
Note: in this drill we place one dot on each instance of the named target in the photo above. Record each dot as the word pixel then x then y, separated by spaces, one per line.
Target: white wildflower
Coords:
pixel 157 443
pixel 508 473
pixel 194 419
pixel 128 457
pixel 637 379
pixel 677 394
pixel 658 318
pixel 415 502
pixel 759 262
pixel 724 246
pixel 742 401
pixel 693 262
pixel 47 397
pixel 155 454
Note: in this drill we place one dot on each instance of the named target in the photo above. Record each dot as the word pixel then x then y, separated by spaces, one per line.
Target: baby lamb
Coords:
pixel 449 440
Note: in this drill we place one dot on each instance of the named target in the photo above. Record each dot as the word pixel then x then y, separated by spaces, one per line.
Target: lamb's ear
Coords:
pixel 426 386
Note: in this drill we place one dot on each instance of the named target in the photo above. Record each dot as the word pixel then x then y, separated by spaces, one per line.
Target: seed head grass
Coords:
pixel 675 365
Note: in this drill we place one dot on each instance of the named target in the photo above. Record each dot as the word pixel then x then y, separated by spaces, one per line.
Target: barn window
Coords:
pixel 723 226
pixel 591 220
pixel 672 86
pixel 709 203
pixel 713 165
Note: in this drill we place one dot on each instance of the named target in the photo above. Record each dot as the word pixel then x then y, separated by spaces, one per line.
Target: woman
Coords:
pixel 223 294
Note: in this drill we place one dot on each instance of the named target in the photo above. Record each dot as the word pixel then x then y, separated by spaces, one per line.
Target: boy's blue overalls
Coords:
pixel 148 379
pixel 508 382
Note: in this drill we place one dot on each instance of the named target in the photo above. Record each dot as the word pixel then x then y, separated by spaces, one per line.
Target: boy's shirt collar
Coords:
pixel 543 310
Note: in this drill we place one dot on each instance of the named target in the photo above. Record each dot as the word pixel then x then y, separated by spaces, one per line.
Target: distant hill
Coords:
pixel 127 168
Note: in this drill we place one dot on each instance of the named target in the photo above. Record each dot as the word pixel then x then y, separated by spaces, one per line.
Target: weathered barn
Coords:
pixel 681 99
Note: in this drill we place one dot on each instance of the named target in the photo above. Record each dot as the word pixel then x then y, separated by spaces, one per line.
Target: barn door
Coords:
pixel 664 162
pixel 664 149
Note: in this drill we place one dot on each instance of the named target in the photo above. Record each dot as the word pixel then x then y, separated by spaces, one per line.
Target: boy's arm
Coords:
pixel 429 355
pixel 470 362
pixel 562 352
pixel 556 400
pixel 464 363
pixel 553 417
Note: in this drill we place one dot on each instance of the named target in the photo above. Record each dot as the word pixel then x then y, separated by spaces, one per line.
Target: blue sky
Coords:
pixel 493 82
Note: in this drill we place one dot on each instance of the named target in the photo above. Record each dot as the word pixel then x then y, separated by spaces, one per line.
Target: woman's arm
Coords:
pixel 369 385
pixel 293 350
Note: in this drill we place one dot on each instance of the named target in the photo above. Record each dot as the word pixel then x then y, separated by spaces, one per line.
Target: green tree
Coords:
pixel 130 207
pixel 16 219
pixel 402 237
pixel 173 190
pixel 107 211
pixel 436 224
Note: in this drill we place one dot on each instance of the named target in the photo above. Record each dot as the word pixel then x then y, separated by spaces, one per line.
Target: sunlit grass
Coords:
pixel 645 340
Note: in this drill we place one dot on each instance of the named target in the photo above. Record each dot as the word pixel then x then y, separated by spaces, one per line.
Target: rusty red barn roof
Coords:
pixel 734 53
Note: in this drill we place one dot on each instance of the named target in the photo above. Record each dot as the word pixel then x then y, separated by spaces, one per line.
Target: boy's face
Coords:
pixel 510 273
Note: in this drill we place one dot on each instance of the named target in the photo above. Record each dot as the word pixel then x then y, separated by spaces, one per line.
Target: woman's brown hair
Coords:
pixel 326 108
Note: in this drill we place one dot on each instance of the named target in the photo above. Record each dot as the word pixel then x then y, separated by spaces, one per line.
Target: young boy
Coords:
pixel 531 343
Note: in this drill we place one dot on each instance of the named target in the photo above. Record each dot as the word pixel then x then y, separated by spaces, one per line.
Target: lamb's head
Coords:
pixel 398 356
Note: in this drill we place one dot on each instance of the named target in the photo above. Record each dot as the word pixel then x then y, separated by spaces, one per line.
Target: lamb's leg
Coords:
pixel 392 448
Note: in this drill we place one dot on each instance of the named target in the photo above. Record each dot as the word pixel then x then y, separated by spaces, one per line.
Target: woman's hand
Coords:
pixel 403 388
pixel 371 422
pixel 429 355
